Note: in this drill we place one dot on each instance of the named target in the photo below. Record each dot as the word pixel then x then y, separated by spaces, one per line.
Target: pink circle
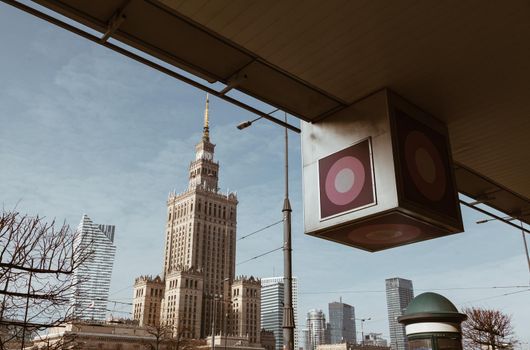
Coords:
pixel 433 190
pixel 342 198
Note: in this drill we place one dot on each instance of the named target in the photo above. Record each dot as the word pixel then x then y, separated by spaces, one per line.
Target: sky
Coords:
pixel 86 130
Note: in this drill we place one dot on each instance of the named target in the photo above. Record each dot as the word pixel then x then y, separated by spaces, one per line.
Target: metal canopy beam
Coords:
pixel 189 36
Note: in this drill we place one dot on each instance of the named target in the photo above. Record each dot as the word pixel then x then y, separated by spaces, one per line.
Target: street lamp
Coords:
pixel 362 327
pixel 288 315
pixel 214 299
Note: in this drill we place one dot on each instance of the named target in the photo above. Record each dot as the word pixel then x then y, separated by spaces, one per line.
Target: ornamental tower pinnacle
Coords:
pixel 204 171
pixel 206 128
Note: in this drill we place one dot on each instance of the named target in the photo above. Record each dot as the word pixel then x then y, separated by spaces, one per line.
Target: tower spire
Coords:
pixel 206 129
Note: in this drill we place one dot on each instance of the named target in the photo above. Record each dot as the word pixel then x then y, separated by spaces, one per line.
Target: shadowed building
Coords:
pixel 267 339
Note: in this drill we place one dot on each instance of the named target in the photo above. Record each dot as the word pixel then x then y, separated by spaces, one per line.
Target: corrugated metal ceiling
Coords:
pixel 465 62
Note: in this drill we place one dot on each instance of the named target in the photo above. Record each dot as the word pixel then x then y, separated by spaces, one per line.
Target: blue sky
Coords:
pixel 85 130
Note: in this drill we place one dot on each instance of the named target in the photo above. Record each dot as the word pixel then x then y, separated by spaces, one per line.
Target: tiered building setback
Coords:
pixel 246 306
pixel 201 236
pixel 200 254
pixel 148 294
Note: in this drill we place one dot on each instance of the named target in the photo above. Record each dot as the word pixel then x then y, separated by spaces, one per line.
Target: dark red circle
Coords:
pixel 398 233
pixel 413 142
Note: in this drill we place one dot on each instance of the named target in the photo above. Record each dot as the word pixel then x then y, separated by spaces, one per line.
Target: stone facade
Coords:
pixel 182 303
pixel 200 254
pixel 97 336
pixel 268 341
pixel 148 294
pixel 246 306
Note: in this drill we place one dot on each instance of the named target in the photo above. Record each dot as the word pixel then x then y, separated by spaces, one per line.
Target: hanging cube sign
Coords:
pixel 379 174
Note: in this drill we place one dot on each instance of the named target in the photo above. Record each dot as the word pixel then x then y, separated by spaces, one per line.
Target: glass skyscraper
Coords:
pixel 93 276
pixel 316 325
pixel 399 293
pixel 342 322
pixel 272 308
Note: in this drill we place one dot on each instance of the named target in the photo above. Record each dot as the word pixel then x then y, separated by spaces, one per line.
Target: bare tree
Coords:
pixel 487 329
pixel 170 337
pixel 161 333
pixel 37 263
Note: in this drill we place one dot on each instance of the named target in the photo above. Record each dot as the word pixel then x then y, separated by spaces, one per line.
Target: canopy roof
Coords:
pixel 465 62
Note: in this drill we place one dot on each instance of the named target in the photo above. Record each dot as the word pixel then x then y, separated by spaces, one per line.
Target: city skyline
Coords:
pixel 118 157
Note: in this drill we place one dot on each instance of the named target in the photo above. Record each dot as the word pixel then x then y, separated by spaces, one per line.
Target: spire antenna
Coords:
pixel 206 128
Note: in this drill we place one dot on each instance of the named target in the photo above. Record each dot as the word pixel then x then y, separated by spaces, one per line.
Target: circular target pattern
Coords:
pixel 385 233
pixel 425 165
pixel 345 180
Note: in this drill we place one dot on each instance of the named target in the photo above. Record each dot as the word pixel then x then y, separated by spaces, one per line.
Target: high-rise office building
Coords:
pixel 399 293
pixel 305 342
pixel 316 325
pixel 92 278
pixel 201 240
pixel 199 258
pixel 272 289
pixel 342 322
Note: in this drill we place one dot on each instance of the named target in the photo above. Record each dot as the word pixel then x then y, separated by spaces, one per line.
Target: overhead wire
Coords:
pixel 421 290
pixel 497 296
pixel 260 230
pixel 121 290
pixel 259 256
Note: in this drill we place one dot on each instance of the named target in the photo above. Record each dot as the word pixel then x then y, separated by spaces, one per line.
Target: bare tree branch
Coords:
pixel 37 261
pixel 487 328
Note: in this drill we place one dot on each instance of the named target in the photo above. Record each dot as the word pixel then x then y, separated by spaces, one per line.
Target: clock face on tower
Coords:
pixel 204 155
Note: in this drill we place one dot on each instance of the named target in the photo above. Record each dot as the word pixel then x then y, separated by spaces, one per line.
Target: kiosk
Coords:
pixel 432 322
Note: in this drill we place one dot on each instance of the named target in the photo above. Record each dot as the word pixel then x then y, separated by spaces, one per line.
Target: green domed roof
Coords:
pixel 431 307
pixel 430 303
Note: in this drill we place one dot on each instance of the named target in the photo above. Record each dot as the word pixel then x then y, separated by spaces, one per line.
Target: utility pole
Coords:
pixel 288 315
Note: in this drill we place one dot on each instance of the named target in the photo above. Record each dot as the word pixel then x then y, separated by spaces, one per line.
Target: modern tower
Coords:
pixel 399 293
pixel 272 289
pixel 316 325
pixel 92 278
pixel 342 322
pixel 200 246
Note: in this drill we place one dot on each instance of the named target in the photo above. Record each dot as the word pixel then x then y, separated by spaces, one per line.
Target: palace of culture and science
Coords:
pixel 198 281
